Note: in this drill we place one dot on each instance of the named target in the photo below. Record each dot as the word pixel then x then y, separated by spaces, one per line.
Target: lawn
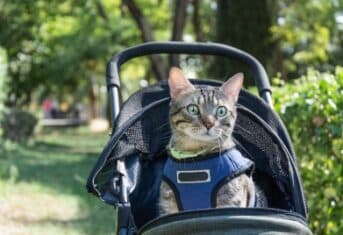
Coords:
pixel 42 186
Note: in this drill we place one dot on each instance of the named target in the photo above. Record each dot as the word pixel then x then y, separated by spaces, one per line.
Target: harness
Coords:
pixel 196 181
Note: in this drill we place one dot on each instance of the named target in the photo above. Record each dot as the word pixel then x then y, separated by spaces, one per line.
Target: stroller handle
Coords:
pixel 215 49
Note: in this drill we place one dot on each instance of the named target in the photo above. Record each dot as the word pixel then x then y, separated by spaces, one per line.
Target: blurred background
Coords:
pixel 54 110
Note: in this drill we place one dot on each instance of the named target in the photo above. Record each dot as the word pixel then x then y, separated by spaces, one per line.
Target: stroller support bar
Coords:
pixel 215 49
pixel 124 224
pixel 114 99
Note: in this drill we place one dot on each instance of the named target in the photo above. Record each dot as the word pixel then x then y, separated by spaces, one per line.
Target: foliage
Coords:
pixel 57 46
pixel 60 47
pixel 311 108
pixel 308 34
pixel 18 125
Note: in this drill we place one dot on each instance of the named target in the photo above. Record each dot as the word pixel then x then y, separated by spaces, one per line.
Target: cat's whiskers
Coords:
pixel 161 126
pixel 227 135
pixel 163 138
pixel 219 145
pixel 220 141
pixel 241 128
pixel 165 135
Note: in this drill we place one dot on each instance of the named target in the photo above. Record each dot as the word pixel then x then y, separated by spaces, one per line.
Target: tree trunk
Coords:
pixel 147 35
pixel 179 20
pixel 92 100
pixel 199 36
pixel 244 24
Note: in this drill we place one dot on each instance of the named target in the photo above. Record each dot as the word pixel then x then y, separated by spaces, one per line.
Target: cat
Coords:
pixel 202 121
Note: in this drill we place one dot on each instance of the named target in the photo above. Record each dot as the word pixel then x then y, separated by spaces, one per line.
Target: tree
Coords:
pixel 179 21
pixel 58 47
pixel 147 33
pixel 243 24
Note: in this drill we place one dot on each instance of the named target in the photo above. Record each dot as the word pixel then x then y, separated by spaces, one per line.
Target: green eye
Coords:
pixel 193 109
pixel 221 111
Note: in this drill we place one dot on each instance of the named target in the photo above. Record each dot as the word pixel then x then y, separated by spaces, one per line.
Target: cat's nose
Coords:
pixel 208 124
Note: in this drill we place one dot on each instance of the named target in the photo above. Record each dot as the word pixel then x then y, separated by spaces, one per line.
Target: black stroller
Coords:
pixel 127 174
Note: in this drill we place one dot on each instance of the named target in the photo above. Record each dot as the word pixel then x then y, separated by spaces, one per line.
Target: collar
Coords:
pixel 185 154
pixel 180 155
pixel 200 155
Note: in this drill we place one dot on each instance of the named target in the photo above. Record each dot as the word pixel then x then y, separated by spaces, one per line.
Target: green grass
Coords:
pixel 42 186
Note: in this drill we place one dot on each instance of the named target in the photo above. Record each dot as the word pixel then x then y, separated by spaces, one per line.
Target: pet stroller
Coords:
pixel 128 172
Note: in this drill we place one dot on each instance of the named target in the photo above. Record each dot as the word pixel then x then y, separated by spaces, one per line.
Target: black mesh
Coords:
pixel 264 148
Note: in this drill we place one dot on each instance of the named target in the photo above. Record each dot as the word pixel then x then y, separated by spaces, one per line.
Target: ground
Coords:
pixel 42 186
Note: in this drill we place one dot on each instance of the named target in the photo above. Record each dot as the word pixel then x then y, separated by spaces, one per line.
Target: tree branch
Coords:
pixel 101 10
pixel 199 36
pixel 147 35
pixel 179 20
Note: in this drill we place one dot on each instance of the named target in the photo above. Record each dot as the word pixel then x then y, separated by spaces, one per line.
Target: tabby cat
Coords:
pixel 202 121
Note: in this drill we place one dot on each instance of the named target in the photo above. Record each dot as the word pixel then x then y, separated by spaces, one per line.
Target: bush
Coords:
pixel 18 125
pixel 312 109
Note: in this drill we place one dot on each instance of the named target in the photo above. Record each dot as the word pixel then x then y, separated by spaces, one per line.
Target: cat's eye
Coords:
pixel 221 111
pixel 193 109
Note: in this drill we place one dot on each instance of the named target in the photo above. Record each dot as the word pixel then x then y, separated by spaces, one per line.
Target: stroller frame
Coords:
pixel 125 224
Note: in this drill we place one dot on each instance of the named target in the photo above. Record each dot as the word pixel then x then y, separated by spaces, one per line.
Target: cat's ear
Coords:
pixel 178 83
pixel 232 87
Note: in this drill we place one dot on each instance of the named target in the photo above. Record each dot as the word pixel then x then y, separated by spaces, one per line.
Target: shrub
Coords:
pixel 18 125
pixel 312 109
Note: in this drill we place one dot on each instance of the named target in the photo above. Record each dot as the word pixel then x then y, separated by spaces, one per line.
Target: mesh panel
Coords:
pixel 263 149
pixel 151 139
pixel 260 143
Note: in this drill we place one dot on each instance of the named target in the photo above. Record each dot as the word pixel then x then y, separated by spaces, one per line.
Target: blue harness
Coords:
pixel 195 181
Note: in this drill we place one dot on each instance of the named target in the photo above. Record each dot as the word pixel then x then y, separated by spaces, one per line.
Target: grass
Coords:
pixel 42 186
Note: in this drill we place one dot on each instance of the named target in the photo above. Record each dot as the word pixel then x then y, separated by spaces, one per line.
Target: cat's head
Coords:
pixel 202 117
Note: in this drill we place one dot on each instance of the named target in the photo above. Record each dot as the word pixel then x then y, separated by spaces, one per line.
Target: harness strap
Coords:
pixel 195 180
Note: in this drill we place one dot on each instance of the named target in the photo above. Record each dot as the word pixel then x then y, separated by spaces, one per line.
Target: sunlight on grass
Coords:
pixel 47 194
pixel 28 210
